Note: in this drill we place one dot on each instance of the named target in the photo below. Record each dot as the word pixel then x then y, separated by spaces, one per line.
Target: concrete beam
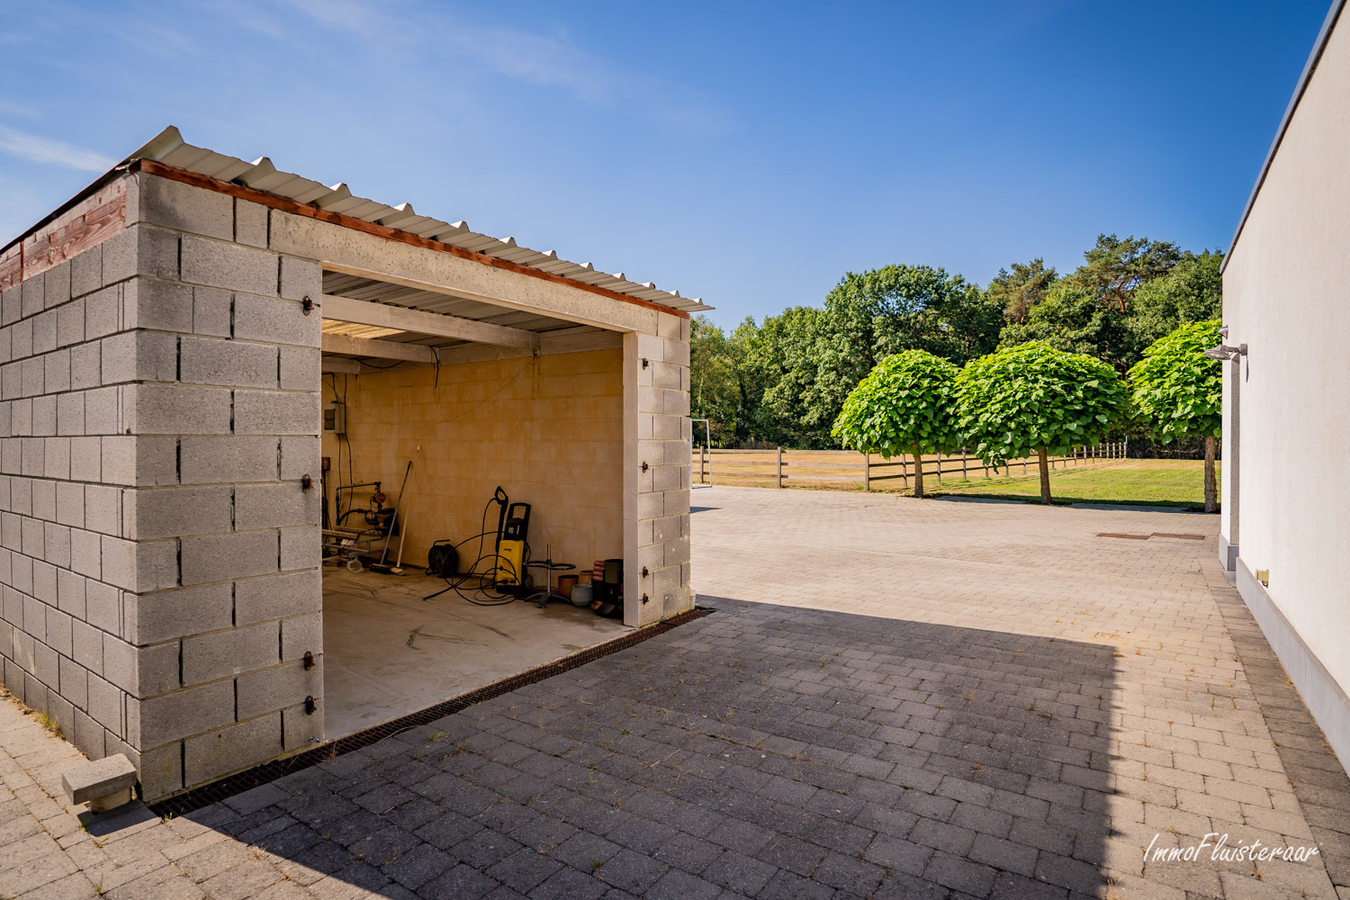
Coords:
pixel 385 315
pixel 350 346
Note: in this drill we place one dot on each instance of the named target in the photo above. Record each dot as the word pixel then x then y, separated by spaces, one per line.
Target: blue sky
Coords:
pixel 747 153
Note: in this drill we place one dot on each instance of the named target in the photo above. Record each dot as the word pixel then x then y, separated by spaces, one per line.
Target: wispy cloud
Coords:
pixel 50 152
pixel 539 59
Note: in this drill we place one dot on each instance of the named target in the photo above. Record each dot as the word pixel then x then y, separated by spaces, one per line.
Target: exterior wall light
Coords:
pixel 1225 352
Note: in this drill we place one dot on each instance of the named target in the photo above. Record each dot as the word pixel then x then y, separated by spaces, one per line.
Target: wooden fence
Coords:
pixel 848 468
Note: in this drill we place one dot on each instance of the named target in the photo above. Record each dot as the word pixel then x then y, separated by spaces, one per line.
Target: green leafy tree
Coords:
pixel 904 405
pixel 872 315
pixel 1073 319
pixel 714 385
pixel 1114 268
pixel 782 357
pixel 1178 391
pixel 1191 292
pixel 1021 290
pixel 1034 398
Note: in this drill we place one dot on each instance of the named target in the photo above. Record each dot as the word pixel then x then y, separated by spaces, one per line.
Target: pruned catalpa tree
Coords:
pixel 906 404
pixel 1178 391
pixel 1032 398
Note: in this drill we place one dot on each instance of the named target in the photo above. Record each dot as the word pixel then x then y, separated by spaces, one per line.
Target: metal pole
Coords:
pixel 939 468
pixel 964 476
pixel 904 471
pixel 867 471
pixel 778 472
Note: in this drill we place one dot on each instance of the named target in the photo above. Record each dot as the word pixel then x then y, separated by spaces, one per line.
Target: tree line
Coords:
pixel 784 381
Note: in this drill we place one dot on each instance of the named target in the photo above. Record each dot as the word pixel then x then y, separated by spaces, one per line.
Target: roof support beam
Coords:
pixel 338 365
pixel 350 346
pixel 385 315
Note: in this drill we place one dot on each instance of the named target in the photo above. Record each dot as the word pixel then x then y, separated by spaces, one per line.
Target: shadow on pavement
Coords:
pixel 765 750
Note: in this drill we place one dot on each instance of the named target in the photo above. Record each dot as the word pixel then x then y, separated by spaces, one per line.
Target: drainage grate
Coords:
pixel 1180 537
pixel 199 797
pixel 1127 537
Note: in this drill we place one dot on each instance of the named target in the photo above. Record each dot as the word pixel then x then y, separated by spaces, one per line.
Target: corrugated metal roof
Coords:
pixel 169 148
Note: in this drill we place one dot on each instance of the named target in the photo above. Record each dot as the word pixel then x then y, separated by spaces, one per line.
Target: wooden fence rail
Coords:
pixel 780 465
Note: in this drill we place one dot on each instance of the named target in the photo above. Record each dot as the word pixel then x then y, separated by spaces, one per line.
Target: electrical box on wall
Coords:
pixel 335 418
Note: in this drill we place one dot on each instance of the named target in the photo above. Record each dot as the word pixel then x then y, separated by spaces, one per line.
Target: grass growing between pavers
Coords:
pixel 1146 482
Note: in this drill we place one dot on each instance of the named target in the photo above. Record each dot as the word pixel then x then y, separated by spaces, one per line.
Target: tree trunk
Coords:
pixel 918 474
pixel 1211 487
pixel 1045 475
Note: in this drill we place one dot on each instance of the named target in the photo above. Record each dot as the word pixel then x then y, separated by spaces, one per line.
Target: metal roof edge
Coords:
pixel 1328 25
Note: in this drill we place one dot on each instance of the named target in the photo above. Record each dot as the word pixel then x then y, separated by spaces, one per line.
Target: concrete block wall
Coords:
pixel 548 429
pixel 656 374
pixel 160 557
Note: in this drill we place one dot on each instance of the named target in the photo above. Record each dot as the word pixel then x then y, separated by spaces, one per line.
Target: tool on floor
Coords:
pixel 495 577
pixel 393 520
pixel 512 532
pixel 398 565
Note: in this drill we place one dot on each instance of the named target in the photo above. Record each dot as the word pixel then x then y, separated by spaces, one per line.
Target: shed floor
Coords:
pixel 387 652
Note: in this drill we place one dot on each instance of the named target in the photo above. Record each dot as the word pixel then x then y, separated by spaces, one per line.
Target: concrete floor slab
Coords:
pixel 388 652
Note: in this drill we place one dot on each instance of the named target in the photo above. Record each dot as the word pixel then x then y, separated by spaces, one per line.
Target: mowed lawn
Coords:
pixel 1161 482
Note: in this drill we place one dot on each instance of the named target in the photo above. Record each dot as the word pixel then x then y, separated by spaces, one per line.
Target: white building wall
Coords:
pixel 1287 296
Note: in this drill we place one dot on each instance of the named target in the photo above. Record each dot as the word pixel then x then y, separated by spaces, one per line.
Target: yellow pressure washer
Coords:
pixel 513 529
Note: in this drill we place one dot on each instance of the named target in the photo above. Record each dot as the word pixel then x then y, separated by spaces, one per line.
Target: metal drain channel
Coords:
pixel 199 797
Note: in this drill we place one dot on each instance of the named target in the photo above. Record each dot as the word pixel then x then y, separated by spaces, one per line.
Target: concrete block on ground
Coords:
pixel 104 784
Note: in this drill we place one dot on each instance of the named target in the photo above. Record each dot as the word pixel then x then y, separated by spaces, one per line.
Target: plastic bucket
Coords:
pixel 581 595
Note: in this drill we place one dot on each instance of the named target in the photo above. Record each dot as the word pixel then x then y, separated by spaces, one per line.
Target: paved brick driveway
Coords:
pixel 895 699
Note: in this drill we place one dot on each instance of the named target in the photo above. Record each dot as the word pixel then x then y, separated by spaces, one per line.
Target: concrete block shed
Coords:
pixel 167 341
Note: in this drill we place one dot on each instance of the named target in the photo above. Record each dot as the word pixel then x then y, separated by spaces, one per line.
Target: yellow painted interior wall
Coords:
pixel 547 429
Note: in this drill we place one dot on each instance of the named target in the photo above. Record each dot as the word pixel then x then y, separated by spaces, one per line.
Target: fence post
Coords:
pixel 867 471
pixel 778 470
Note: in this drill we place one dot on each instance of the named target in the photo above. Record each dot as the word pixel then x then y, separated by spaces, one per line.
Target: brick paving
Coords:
pixel 894 699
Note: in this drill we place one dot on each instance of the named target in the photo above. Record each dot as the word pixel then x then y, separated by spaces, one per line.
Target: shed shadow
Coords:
pixel 758 749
